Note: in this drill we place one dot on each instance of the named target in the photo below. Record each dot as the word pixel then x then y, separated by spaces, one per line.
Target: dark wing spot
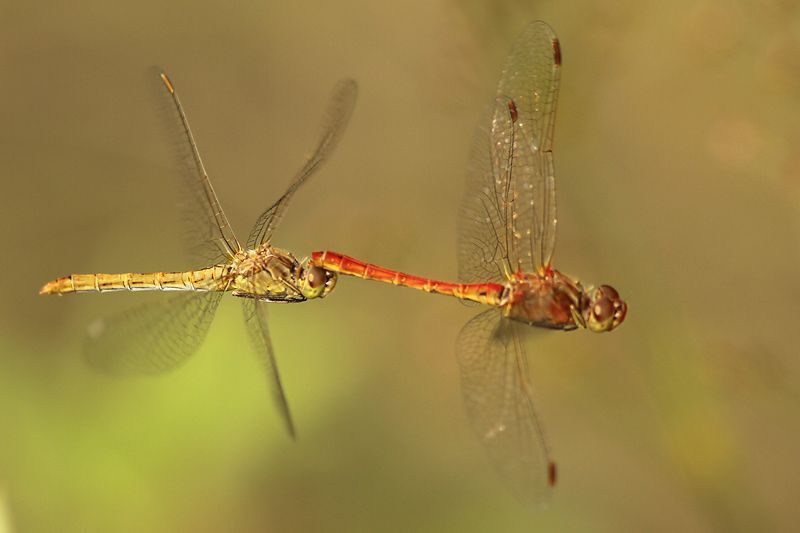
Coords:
pixel 552 474
pixel 557 52
pixel 512 109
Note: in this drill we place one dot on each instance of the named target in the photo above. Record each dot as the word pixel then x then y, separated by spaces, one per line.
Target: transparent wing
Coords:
pixel 336 118
pixel 255 313
pixel 499 402
pixel 508 218
pixel 210 236
pixel 154 337
pixel 483 239
pixel 530 80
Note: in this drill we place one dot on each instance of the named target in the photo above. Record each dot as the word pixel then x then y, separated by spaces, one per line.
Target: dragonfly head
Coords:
pixel 603 310
pixel 315 281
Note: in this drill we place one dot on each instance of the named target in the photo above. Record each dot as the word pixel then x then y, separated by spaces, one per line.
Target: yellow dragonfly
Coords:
pixel 159 337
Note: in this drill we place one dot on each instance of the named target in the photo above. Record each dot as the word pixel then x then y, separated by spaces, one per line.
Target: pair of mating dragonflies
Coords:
pixel 506 241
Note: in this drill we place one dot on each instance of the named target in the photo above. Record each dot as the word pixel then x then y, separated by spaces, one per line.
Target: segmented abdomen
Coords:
pixel 484 293
pixel 206 279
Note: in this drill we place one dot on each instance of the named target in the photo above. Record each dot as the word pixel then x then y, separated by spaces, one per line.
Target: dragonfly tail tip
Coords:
pixel 51 287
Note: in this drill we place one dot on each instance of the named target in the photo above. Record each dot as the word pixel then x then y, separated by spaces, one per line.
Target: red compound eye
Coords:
pixel 316 277
pixel 602 310
pixel 609 292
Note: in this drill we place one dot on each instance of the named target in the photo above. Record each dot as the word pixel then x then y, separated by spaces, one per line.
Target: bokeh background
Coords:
pixel 679 183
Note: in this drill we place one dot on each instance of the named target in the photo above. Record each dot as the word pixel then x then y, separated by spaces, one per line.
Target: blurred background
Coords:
pixel 679 184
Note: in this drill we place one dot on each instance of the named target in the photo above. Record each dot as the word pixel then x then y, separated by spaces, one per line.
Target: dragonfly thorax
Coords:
pixel 272 274
pixel 554 300
pixel 546 299
pixel 266 273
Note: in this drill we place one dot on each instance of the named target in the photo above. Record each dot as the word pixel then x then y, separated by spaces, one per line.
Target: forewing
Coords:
pixel 210 238
pixel 334 122
pixel 255 313
pixel 499 402
pixel 508 218
pixel 530 79
pixel 154 337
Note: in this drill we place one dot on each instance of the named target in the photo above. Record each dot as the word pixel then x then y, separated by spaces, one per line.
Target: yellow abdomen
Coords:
pixel 213 278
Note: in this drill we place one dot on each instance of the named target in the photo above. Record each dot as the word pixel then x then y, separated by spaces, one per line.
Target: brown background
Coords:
pixel 679 183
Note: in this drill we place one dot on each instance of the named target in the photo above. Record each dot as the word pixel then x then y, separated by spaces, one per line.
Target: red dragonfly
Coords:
pixel 506 241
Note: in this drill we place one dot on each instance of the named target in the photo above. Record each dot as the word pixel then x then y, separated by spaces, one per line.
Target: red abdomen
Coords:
pixel 484 293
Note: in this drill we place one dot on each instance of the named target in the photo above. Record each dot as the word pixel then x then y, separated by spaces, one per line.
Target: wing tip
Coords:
pixel 289 423
pixel 556 52
pixel 552 474
pixel 167 82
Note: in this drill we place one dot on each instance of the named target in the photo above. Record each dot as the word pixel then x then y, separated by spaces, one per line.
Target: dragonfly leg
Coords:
pixel 272 298
pixel 577 317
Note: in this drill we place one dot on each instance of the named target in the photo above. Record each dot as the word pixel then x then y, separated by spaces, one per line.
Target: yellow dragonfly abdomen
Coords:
pixel 214 278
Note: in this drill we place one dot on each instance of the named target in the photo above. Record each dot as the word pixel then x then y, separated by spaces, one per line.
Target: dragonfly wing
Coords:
pixel 530 80
pixel 255 313
pixel 210 236
pixel 499 402
pixel 336 118
pixel 508 216
pixel 152 338
pixel 484 236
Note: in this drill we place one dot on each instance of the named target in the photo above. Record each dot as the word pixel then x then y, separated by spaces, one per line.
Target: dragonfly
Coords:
pixel 506 242
pixel 158 337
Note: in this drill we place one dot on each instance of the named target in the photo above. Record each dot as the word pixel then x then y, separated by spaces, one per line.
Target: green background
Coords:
pixel 679 184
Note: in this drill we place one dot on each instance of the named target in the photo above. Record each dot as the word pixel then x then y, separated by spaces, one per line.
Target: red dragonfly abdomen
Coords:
pixel 483 293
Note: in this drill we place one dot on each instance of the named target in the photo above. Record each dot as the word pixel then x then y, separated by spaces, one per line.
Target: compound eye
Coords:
pixel 609 292
pixel 316 277
pixel 603 310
